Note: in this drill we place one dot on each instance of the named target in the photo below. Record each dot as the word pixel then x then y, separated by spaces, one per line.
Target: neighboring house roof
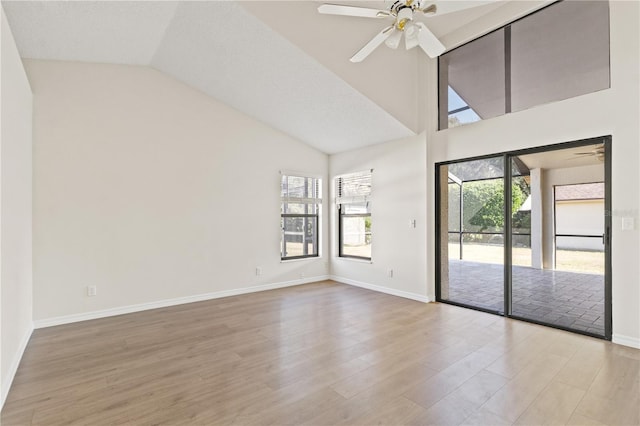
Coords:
pixel 586 191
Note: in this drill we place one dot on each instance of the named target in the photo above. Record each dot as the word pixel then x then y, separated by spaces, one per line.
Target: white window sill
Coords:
pixel 302 259
pixel 353 259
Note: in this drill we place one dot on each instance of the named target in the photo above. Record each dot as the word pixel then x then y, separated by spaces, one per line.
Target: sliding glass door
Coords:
pixel 472 242
pixel 547 207
pixel 558 275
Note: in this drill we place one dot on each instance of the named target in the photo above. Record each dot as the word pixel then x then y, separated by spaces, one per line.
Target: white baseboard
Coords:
pixel 381 289
pixel 67 319
pixel 632 342
pixel 13 368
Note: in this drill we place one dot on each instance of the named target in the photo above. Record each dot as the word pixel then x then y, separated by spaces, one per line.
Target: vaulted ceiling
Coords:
pixel 278 61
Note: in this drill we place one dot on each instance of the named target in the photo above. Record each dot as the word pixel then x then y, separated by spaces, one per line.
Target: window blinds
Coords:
pixel 300 190
pixel 354 188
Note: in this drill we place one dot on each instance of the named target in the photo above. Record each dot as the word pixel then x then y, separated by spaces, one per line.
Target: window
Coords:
pixel 556 53
pixel 459 112
pixel 299 216
pixel 354 212
pixel 472 81
pixel 559 53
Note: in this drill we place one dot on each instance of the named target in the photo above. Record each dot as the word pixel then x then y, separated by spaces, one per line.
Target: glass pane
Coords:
pixel 521 220
pixel 459 112
pixel 455 220
pixel 560 52
pixel 300 187
pixel 473 76
pixel 298 208
pixel 559 280
pixel 472 273
pixel 521 250
pixel 356 236
pixel 580 254
pixel 454 245
pixel 483 206
pixel 473 170
pixel 299 237
pixel 357 208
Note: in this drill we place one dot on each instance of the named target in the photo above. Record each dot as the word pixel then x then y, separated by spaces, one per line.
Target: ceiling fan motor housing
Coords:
pixel 396 6
pixel 405 15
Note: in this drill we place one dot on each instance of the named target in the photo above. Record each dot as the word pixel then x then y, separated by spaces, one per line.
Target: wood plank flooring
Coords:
pixel 320 354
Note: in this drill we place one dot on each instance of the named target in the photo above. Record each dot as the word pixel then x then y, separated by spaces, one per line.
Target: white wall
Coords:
pixel 15 212
pixel 152 191
pixel 610 112
pixel 398 196
pixel 580 217
pixel 566 176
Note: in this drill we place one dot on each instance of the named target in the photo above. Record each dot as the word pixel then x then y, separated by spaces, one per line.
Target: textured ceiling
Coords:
pixel 278 61
pixel 259 72
pixel 92 31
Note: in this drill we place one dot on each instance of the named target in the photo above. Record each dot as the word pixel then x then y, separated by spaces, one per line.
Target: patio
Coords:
pixel 567 299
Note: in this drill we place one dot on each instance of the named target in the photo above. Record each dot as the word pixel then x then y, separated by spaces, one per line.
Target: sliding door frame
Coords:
pixel 438 223
pixel 507 231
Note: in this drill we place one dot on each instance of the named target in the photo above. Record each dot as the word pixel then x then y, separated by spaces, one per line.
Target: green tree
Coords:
pixel 454 122
pixel 483 203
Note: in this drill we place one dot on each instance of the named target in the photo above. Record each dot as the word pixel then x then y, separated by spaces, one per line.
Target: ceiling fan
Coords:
pixel 597 152
pixel 406 15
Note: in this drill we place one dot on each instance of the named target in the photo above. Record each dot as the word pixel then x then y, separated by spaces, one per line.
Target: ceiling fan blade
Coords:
pixel 442 7
pixel 429 42
pixel 364 12
pixel 372 45
pixel 599 150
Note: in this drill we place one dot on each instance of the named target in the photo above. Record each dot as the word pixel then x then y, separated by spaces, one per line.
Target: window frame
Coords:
pixel 342 215
pixel 317 215
pixel 443 112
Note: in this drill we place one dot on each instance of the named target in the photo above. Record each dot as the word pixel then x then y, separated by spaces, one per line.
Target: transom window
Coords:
pixel 556 53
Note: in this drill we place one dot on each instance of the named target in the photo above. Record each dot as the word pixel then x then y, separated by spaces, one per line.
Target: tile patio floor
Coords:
pixel 567 299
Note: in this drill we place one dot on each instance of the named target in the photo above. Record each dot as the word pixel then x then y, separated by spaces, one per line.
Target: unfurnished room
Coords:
pixel 310 212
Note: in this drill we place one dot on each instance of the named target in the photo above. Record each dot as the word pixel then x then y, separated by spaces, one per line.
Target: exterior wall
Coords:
pixel 580 217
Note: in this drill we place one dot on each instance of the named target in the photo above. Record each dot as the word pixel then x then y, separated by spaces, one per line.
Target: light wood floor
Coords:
pixel 320 354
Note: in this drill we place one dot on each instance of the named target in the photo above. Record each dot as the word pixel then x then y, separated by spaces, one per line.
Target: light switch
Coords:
pixel 628 224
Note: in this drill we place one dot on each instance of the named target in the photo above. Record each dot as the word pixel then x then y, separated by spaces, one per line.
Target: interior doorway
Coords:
pixel 526 234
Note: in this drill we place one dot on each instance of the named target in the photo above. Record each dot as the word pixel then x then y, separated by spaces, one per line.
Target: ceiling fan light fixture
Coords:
pixel 411 30
pixel 394 39
pixel 406 14
pixel 411 36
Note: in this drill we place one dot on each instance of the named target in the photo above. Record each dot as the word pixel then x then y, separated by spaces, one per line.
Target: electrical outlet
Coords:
pixel 258 271
pixel 92 290
pixel 390 273
pixel 412 223
pixel 628 224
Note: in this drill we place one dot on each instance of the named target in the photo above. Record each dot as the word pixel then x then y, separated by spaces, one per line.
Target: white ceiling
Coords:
pixel 278 61
pixel 564 158
pixel 259 72
pixel 92 31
